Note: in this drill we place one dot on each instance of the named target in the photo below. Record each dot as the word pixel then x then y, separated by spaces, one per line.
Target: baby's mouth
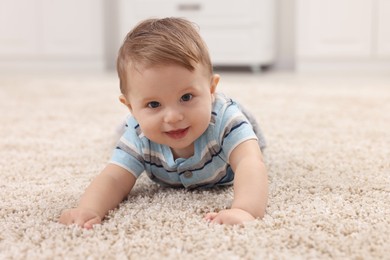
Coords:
pixel 178 134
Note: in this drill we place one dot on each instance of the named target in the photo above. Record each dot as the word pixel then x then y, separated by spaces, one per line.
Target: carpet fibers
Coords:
pixel 328 157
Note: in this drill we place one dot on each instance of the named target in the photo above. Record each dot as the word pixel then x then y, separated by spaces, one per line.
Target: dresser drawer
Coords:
pixel 237 32
pixel 203 12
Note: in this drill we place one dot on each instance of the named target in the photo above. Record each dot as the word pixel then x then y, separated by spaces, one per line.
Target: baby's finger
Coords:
pixel 217 220
pixel 79 222
pixel 65 218
pixel 90 223
pixel 210 216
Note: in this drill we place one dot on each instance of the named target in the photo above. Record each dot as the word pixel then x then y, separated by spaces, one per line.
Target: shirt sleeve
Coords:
pixel 234 129
pixel 128 151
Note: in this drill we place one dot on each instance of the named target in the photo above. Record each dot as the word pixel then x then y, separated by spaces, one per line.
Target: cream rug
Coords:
pixel 329 171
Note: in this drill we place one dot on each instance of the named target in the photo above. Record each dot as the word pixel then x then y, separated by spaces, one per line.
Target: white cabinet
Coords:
pixel 331 28
pixel 236 32
pixel 72 27
pixel 36 32
pixel 337 33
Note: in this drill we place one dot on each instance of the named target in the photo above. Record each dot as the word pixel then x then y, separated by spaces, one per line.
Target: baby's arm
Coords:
pixel 250 186
pixel 105 192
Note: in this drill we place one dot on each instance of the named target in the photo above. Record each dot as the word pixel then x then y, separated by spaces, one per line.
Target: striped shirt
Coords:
pixel 207 167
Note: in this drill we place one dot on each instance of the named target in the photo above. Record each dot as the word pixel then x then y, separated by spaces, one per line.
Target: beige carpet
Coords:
pixel 328 157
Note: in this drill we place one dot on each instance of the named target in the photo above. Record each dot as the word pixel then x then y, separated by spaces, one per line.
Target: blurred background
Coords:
pixel 288 35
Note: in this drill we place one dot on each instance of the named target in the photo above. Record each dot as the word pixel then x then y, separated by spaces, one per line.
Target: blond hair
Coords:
pixel 154 42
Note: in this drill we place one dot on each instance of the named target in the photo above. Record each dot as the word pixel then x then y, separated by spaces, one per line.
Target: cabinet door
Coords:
pixel 18 28
pixel 383 32
pixel 334 28
pixel 236 32
pixel 72 28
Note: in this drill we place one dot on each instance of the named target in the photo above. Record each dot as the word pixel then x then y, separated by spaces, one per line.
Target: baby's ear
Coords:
pixel 124 101
pixel 214 82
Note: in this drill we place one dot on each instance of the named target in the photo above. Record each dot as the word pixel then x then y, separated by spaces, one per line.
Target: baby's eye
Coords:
pixel 186 97
pixel 153 104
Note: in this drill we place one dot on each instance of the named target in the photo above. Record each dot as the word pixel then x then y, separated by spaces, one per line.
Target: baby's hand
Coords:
pixel 229 216
pixel 84 218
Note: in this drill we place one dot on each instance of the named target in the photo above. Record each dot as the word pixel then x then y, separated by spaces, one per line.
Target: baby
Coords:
pixel 180 131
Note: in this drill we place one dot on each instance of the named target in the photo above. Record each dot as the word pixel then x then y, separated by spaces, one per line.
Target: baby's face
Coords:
pixel 171 104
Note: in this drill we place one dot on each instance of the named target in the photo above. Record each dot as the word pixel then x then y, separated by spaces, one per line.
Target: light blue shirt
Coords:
pixel 208 166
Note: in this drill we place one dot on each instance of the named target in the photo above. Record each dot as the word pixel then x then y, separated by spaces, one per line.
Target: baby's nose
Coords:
pixel 173 115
